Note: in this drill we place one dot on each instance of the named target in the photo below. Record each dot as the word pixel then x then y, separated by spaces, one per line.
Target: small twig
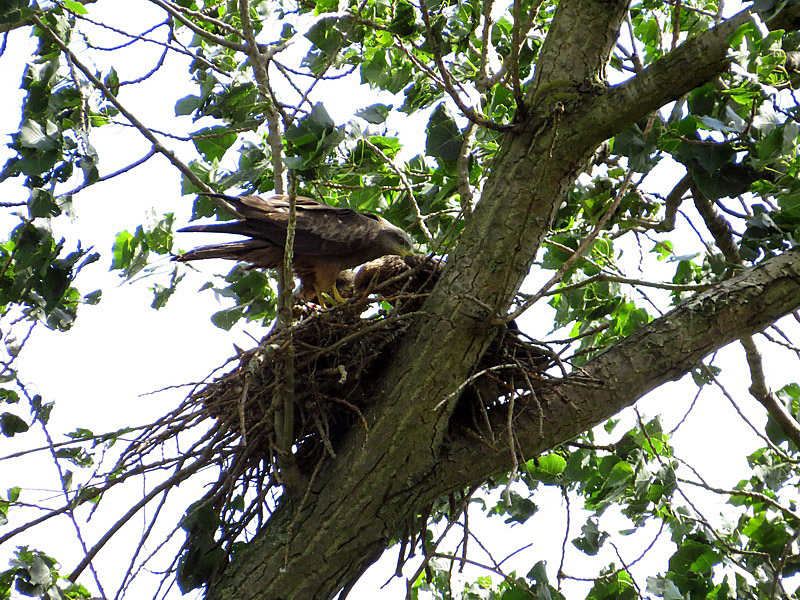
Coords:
pixel 789 514
pixel 560 574
pixel 328 64
pixel 510 580
pixel 447 80
pixel 71 504
pixel 787 343
pixel 776 575
pixel 201 15
pixel 469 380
pixel 180 474
pixel 156 144
pixel 676 287
pixel 429 556
pixel 408 189
pixel 742 416
pixel 214 39
pixel 577 254
pixel 116 173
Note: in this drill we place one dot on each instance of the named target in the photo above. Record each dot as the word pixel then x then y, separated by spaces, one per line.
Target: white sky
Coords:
pixel 121 348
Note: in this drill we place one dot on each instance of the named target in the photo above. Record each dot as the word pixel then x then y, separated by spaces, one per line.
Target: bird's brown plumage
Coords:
pixel 383 275
pixel 327 239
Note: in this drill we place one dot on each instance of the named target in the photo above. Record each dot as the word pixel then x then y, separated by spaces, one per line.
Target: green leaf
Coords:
pixel 695 557
pixel 75 7
pixel 80 433
pixel 187 105
pixel 42 204
pixel 33 135
pixel 443 136
pixel 9 396
pixel 77 456
pixel 225 319
pixel 11 424
pixel 313 138
pixel 618 586
pixel 729 181
pixel 328 34
pixel 213 142
pixel 518 508
pixel 161 293
pixel 111 80
pixel 93 297
pixel 547 468
pixel 591 539
pixel 404 21
pixel 122 253
pixel 375 113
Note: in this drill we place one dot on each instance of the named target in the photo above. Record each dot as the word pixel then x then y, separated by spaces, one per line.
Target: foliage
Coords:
pixel 734 137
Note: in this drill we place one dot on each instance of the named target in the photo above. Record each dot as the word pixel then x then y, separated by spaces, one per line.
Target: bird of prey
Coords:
pixel 327 240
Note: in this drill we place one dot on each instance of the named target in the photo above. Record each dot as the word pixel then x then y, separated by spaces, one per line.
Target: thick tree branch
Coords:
pixel 688 66
pixel 581 37
pixel 661 351
pixel 724 238
pixel 409 454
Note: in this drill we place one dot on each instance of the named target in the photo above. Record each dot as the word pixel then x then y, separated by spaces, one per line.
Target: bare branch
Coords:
pixel 156 144
pixel 612 208
pixel 761 392
pixel 447 80
pixel 675 287
pixel 259 61
pixel 214 39
pixel 408 189
pixel 116 173
pixel 462 170
pixel 789 514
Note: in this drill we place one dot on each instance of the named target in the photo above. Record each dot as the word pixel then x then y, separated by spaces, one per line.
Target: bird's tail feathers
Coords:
pixel 258 252
pixel 237 227
pixel 216 251
pixel 220 196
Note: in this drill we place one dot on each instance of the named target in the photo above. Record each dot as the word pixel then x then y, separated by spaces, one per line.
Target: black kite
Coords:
pixel 327 240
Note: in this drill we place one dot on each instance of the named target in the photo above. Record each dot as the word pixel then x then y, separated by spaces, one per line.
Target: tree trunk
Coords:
pixel 313 546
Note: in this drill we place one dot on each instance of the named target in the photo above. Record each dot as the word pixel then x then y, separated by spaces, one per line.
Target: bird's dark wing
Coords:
pixel 320 229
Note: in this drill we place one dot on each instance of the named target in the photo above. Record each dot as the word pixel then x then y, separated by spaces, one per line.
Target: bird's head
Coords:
pixel 395 240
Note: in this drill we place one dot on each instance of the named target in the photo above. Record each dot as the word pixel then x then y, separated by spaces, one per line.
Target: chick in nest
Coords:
pixel 383 277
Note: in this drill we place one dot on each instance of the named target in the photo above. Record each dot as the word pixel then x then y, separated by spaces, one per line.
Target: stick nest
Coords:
pixel 335 359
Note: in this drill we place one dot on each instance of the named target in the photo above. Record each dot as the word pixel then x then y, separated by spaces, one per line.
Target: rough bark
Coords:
pixel 313 546
pixel 662 351
pixel 325 553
